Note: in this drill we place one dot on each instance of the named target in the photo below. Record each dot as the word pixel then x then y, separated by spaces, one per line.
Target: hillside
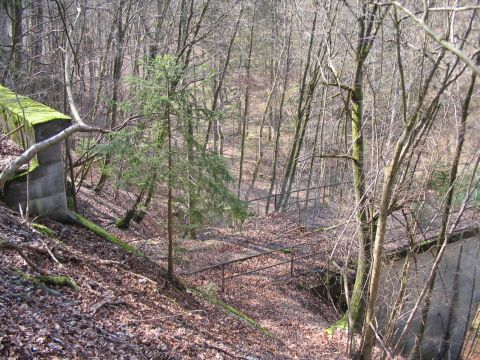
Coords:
pixel 252 179
pixel 122 310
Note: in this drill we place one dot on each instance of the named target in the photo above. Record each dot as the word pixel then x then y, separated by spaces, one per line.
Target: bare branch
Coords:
pixel 68 79
pixel 336 156
pixel 444 43
pixel 13 167
pixel 461 8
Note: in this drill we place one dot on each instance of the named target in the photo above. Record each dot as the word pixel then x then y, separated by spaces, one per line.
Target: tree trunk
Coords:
pixel 140 213
pixel 278 127
pixel 117 73
pixel 124 223
pixel 364 44
pixel 303 110
pixel 170 260
pixel 246 99
pixel 15 8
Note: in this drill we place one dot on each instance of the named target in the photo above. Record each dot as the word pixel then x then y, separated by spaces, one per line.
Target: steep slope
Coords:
pixel 120 309
pixel 275 300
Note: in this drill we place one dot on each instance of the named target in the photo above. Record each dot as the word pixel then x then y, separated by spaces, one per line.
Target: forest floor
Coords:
pixel 122 310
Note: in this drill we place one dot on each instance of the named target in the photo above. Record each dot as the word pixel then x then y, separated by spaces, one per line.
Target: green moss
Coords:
pixel 242 316
pixel 70 204
pixel 57 280
pixel 21 112
pixel 34 113
pixel 107 236
pixel 439 181
pixel 49 280
pixel 212 298
pixel 341 324
pixel 43 230
pixel 121 223
pixel 33 166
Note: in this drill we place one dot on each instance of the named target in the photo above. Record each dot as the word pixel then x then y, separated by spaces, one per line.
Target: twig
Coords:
pixel 445 44
pixel 51 254
pixel 213 347
pixel 461 8
pixel 11 246
pixel 166 317
pixel 382 345
pixel 134 274
pixel 107 303
pixel 11 132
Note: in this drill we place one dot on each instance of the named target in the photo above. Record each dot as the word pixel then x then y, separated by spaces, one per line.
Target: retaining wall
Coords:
pixel 455 297
pixel 46 182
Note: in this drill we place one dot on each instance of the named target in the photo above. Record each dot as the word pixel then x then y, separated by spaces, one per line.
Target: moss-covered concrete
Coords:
pixel 428 244
pixel 23 108
pixel 41 189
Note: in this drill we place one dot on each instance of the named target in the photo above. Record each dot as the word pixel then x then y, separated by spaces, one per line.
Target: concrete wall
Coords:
pixel 462 256
pixel 46 184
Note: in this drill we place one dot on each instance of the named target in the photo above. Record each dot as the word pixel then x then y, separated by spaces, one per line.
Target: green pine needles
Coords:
pixel 200 178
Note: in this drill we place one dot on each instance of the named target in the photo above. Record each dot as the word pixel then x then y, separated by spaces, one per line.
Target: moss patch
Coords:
pixel 57 280
pixel 43 230
pixel 33 166
pixel 107 236
pixel 213 299
pixel 341 324
pixel 20 112
pixel 49 280
pixel 34 113
pixel 286 250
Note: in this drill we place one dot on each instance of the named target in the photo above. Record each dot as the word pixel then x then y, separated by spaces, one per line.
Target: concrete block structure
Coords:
pixel 454 302
pixel 42 187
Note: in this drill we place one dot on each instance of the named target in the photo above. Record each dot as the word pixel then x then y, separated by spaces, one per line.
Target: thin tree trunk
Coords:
pixel 246 99
pixel 15 62
pixel 117 72
pixel 364 234
pixel 447 208
pixel 170 260
pixel 71 191
pixel 192 196
pixel 142 211
pixel 124 223
pixel 302 121
pixel 402 146
pixel 278 127
pixel 306 112
pixel 318 134
pixel 262 125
